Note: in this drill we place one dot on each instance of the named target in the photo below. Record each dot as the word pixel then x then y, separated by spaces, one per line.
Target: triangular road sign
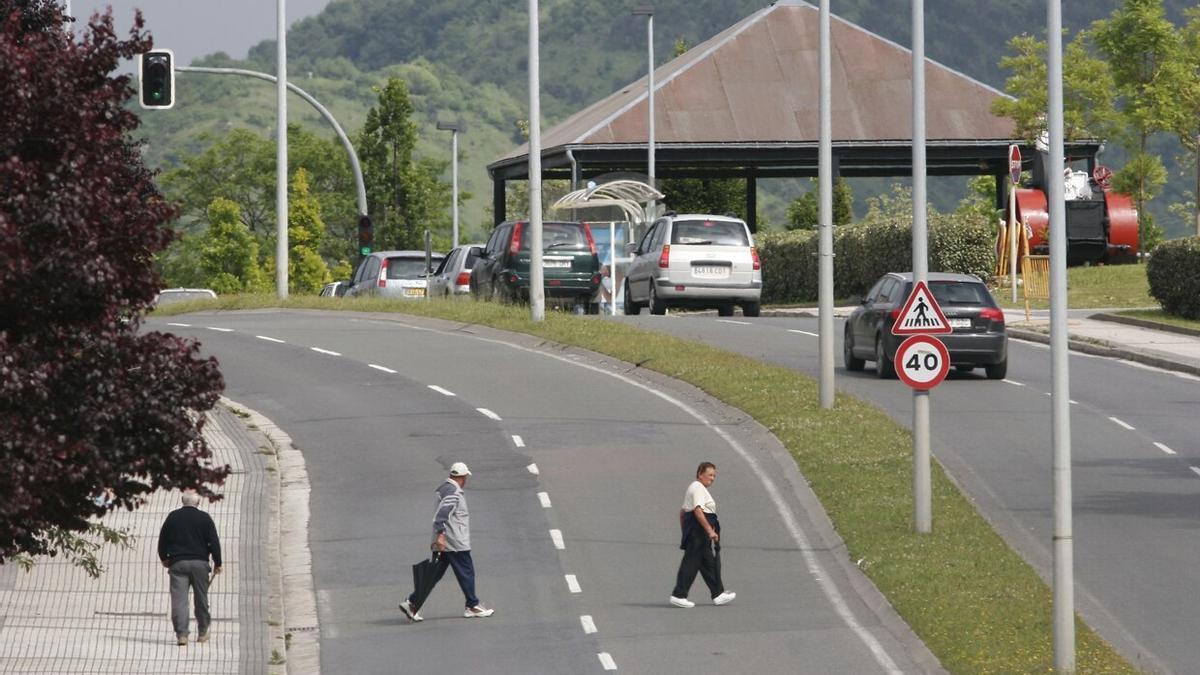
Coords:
pixel 921 314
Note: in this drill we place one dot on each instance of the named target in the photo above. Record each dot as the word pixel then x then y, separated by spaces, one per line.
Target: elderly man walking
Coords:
pixel 452 544
pixel 187 539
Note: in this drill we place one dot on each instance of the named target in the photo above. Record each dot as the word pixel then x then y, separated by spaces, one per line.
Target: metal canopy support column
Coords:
pixel 752 202
pixel 498 210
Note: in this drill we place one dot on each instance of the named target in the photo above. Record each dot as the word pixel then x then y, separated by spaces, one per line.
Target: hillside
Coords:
pixel 467 59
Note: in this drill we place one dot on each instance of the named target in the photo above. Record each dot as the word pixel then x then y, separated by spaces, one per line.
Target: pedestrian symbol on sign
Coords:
pixel 921 314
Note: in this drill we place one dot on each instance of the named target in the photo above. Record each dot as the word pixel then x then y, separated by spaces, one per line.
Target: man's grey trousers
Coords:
pixel 185 574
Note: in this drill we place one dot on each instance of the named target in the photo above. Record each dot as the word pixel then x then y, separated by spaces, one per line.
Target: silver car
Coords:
pixel 453 276
pixel 698 261
pixel 393 274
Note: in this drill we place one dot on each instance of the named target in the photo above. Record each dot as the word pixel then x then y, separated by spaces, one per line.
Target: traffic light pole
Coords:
pixel 281 165
pixel 355 167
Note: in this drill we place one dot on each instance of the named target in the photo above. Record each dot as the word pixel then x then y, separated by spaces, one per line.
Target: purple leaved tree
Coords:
pixel 88 401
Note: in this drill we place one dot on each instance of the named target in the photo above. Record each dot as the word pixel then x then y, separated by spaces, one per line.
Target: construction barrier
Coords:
pixel 1035 277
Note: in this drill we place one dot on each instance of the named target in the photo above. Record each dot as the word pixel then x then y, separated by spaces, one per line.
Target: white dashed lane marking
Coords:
pixel 220 330
pixel 589 626
pixel 740 323
pixel 270 339
pixel 606 660
pixel 488 413
pixel 518 441
pixel 383 368
pixel 532 468
pixel 544 498
pixel 1195 469
pixel 181 325
pixel 1164 448
pixel 325 351
pixel 444 392
pixel 803 332
pixel 573 583
pixel 1120 423
pixel 556 536
pixel 1014 383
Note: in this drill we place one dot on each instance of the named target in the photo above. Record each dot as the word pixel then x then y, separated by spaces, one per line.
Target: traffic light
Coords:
pixel 366 235
pixel 156 79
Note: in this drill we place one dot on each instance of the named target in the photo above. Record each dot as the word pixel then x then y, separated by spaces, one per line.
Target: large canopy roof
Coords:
pixel 744 103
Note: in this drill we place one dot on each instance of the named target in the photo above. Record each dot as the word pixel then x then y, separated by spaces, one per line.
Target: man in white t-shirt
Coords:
pixel 700 541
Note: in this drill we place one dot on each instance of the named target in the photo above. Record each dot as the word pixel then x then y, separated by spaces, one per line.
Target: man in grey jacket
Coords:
pixel 452 541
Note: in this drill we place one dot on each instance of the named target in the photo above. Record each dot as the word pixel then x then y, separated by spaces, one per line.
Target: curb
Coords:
pixel 1100 348
pixel 1146 323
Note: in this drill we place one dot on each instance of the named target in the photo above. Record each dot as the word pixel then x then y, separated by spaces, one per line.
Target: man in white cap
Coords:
pixel 452 540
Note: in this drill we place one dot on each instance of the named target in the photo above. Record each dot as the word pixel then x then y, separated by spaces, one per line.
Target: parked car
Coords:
pixel 570 267
pixel 168 295
pixel 393 274
pixel 693 260
pixel 979 337
pixel 335 289
pixel 453 276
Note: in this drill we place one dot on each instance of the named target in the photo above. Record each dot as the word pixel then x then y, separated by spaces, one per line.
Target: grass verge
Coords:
pixel 1159 316
pixel 1095 287
pixel 977 605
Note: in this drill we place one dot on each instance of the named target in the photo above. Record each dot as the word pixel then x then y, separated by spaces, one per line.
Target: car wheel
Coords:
pixel 751 309
pixel 631 307
pixel 851 361
pixel 997 371
pixel 883 366
pixel 657 308
pixel 724 310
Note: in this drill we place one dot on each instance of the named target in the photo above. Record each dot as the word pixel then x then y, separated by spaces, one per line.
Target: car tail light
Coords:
pixel 514 246
pixel 514 278
pixel 587 231
pixel 595 279
pixel 664 260
pixel 895 313
pixel 463 278
pixel 992 313
pixel 754 257
pixel 383 274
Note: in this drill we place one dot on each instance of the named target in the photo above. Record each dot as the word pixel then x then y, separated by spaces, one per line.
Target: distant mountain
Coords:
pixel 468 58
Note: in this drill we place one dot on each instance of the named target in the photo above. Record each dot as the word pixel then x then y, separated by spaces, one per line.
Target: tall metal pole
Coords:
pixel 454 186
pixel 1060 387
pixel 537 293
pixel 281 165
pixel 650 93
pixel 825 244
pixel 922 497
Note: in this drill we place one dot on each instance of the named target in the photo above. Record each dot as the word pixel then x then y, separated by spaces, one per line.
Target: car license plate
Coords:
pixel 960 323
pixel 556 263
pixel 415 292
pixel 711 271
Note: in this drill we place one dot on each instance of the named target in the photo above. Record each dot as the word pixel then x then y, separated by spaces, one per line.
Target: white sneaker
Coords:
pixel 478 611
pixel 411 613
pixel 682 602
pixel 724 598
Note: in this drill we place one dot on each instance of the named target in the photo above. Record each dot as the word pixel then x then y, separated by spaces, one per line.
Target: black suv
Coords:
pixel 570 267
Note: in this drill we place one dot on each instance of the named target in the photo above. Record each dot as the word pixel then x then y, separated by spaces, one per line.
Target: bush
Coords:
pixel 1174 274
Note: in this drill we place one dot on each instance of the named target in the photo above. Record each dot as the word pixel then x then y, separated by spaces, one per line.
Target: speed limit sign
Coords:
pixel 922 362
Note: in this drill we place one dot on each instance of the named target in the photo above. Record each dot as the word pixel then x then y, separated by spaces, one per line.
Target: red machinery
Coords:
pixel 1102 226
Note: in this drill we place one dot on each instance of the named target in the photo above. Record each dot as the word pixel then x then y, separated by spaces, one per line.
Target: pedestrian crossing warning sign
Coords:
pixel 921 314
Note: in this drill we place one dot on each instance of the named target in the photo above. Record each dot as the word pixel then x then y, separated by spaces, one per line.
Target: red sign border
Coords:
pixel 898 330
pixel 943 371
pixel 1015 177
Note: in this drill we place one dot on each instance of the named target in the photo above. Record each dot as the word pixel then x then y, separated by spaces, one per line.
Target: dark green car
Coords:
pixel 570 266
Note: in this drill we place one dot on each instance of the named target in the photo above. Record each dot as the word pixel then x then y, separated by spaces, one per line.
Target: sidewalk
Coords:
pixel 55 619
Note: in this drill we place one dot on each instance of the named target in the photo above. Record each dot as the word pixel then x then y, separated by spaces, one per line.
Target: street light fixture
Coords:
pixel 453 128
pixel 648 12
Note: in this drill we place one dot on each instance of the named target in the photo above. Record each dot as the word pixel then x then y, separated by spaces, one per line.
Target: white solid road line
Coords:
pixel 1164 448
pixel 181 325
pixel 1117 421
pixel 488 413
pixel 803 332
pixel 573 583
pixel 740 323
pixel 270 339
pixel 1014 383
pixel 220 330
pixel 544 498
pixel 518 441
pixel 444 392
pixel 383 368
pixel 589 626
pixel 556 535
pixel 532 468
pixel 325 351
pixel 606 660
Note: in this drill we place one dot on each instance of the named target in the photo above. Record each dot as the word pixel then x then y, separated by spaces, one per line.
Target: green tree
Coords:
pixel 1187 122
pixel 405 195
pixel 229 253
pixel 307 272
pixel 1143 51
pixel 804 212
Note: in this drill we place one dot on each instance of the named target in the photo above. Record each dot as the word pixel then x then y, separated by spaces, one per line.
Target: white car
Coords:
pixel 453 276
pixel 393 274
pixel 168 295
pixel 697 261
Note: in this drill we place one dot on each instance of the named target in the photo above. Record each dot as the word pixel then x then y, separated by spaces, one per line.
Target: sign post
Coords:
pixel 1014 173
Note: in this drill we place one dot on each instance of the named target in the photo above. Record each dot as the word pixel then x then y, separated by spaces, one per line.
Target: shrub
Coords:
pixel 1174 274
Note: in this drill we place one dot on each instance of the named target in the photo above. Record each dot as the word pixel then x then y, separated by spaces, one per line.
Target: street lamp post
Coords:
pixel 453 128
pixel 648 12
pixel 281 153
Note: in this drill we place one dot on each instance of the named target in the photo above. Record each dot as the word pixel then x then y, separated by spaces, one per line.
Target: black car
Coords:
pixel 570 266
pixel 979 337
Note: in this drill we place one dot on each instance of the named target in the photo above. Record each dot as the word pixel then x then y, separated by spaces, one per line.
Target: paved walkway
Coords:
pixel 56 619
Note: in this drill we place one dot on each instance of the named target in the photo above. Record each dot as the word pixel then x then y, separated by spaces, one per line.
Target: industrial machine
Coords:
pixel 1102 225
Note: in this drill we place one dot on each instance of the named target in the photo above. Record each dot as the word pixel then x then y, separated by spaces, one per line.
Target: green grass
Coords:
pixel 977 605
pixel 1096 287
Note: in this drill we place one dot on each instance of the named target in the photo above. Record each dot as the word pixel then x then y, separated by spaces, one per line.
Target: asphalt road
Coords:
pixel 1136 469
pixel 381 407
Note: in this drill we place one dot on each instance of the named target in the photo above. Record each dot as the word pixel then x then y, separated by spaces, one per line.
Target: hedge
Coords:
pixel 1174 274
pixel 865 251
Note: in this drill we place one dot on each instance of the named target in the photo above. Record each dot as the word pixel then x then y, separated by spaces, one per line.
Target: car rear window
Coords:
pixel 470 263
pixel 407 268
pixel 960 293
pixel 709 232
pixel 557 236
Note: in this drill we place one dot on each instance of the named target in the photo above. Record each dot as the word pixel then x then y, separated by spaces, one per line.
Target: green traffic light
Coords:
pixel 365 250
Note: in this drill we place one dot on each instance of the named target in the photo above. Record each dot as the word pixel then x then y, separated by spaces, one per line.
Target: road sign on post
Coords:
pixel 1014 164
pixel 921 314
pixel 922 362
